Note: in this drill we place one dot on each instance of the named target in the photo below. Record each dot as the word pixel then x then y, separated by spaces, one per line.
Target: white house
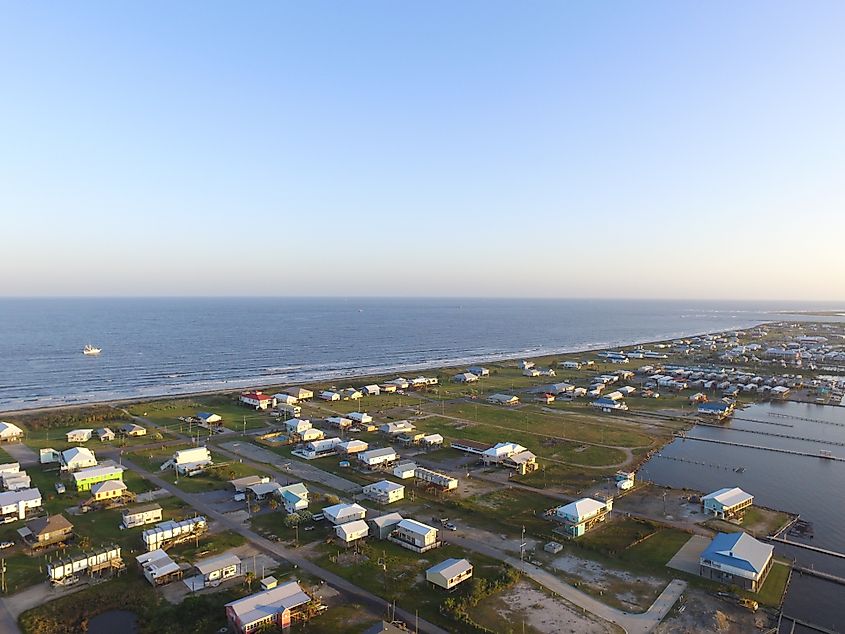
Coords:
pixel 319 448
pixel 311 434
pixel 580 516
pixel 371 390
pixel 570 365
pixel 404 470
pixel 352 531
pixel 352 446
pixel 396 428
pixel 727 503
pixel 465 377
pixel 16 505
pixel 432 440
pixel 77 458
pixel 415 536
pixel 351 394
pixel 105 434
pixel 9 432
pixel 294 497
pixel 329 396
pixel 158 568
pixel 375 457
pixel 385 492
pixel 79 435
pixel 300 393
pixel 343 513
pixel 213 570
pixel 503 399
pixel 297 425
pixel 362 418
pixel 189 461
pixel 209 418
pixel 498 452
pixel 257 400
pixel 285 399
pixel 341 422
pixel 479 371
pixel 141 515
pixel 448 574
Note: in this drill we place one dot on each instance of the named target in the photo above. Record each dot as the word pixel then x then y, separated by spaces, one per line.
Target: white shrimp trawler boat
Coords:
pixel 91 350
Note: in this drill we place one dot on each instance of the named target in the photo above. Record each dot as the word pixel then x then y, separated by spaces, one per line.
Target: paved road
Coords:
pixel 630 622
pixel 357 594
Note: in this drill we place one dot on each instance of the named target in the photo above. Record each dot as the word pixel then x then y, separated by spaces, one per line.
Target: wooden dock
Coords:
pixel 762 448
pixel 809 626
pixel 821 575
pixel 777 435
pixel 815 549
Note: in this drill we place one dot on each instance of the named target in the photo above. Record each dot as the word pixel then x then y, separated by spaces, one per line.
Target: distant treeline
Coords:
pixel 85 417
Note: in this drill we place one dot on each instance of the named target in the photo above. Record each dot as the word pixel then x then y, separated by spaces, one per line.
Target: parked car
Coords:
pixel 60 488
pixel 450 527
pixel 4 545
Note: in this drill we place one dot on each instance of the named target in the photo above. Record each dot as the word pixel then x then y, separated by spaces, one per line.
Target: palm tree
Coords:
pixel 249 577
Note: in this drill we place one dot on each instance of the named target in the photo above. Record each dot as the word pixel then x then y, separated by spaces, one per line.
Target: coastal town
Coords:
pixel 506 496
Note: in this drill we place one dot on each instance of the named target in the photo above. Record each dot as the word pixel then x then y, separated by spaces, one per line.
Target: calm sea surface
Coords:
pixel 171 346
pixel 811 486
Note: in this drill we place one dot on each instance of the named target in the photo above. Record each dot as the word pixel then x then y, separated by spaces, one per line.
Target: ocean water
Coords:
pixel 175 346
pixel 810 486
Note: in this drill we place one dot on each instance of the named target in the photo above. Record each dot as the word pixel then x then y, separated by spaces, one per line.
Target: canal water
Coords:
pixel 811 486
pixel 114 622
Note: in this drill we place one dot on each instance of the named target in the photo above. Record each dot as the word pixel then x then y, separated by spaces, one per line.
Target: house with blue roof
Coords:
pixel 720 409
pixel 736 559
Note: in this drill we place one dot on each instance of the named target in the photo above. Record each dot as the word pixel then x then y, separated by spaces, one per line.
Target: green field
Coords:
pixel 167 412
pixel 216 477
pixel 771 593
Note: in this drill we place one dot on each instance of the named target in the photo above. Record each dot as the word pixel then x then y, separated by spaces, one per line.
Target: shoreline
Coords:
pixel 422 367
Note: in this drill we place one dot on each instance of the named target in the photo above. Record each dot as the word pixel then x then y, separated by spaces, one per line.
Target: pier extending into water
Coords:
pixel 809 626
pixel 776 435
pixel 776 449
pixel 823 551
pixel 818 573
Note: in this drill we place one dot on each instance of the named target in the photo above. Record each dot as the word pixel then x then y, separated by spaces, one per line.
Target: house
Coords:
pixel 374 457
pixel 15 480
pixel 86 478
pixel 522 462
pixel 342 513
pixel 108 490
pixel 77 458
pixel 404 470
pixel 580 516
pixel 294 497
pixel 780 391
pixel 16 505
pixel 169 533
pixel 546 398
pixel 285 399
pixel 432 441
pixel 79 435
pixel 9 432
pixel 319 448
pixel 470 446
pixel 736 559
pixel 10 467
pixel 570 365
pixel 531 372
pixel 383 525
pixel 44 531
pixel 698 397
pixel 498 452
pixel 448 574
pixel 384 491
pixel 526 365
pixel 279 607
pixel 352 446
pixel 479 371
pixel 465 377
pixel 213 570
pixel 209 418
pixel 351 394
pixel 388 388
pixel 104 434
pixel 371 390
pixel 352 531
pixel 727 503
pixel 362 418
pixel 340 422
pixel 300 393
pixel 414 535
pixel 158 568
pixel 396 428
pixel 262 490
pixel 141 515
pixel 189 461
pixel 310 435
pixel 441 480
pixel 131 429
pixel 608 404
pixel 329 396
pixel 257 400
pixel 49 455
pixel 399 383
pixel 503 399
pixel 297 425
pixel 240 484
pixel 720 409
pixel 547 372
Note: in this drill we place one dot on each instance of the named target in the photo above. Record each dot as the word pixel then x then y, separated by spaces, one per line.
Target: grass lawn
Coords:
pixel 511 509
pixel 564 450
pixel 347 618
pixel 208 545
pixel 56 437
pixel 771 593
pixel 216 477
pixel 167 412
pixel 270 524
pixel 616 536
pixel 402 578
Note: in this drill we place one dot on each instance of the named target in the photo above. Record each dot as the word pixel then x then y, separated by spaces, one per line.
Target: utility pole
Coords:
pixel 522 549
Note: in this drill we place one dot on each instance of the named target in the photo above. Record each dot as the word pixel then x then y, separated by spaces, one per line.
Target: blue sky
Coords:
pixel 648 149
